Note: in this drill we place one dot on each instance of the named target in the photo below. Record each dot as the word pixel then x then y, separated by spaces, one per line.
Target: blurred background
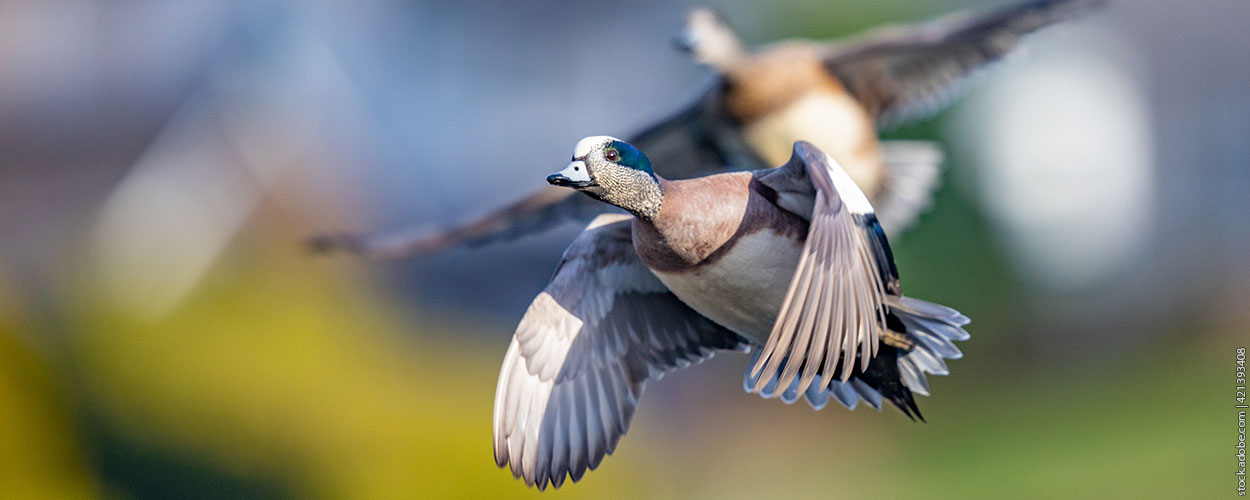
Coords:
pixel 163 333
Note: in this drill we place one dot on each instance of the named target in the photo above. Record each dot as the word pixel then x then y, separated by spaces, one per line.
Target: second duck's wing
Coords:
pixel 579 358
pixel 696 141
pixel 906 73
pixel 913 171
pixel 544 209
pixel 702 139
pixel 834 311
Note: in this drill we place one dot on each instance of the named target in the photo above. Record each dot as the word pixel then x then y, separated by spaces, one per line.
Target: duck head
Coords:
pixel 709 39
pixel 613 171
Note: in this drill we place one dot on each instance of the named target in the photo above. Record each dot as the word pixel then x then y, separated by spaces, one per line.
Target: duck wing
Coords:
pixel 906 73
pixel 913 172
pixel 835 308
pixel 583 351
pixel 698 140
pixel 702 139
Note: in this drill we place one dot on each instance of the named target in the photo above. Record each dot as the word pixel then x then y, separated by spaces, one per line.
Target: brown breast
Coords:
pixel 702 218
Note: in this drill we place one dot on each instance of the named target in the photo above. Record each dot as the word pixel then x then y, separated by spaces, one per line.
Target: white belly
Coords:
pixel 743 290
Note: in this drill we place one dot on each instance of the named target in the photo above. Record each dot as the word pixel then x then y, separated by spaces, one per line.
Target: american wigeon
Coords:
pixel 835 95
pixel 789 262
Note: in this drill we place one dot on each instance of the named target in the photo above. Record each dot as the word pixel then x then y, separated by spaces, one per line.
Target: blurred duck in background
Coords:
pixel 791 261
pixel 836 95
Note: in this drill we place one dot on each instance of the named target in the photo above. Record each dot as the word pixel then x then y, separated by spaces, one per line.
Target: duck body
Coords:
pixel 791 94
pixel 725 249
pixel 790 263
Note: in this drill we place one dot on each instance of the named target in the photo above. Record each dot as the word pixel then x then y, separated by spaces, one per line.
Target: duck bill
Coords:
pixel 574 176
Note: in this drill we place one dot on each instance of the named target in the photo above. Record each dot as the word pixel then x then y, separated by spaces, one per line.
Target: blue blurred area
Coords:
pixel 162 333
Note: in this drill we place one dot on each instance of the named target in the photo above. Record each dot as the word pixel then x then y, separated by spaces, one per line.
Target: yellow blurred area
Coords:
pixel 39 455
pixel 280 367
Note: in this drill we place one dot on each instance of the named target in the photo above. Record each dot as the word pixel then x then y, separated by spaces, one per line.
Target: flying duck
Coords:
pixel 835 95
pixel 790 263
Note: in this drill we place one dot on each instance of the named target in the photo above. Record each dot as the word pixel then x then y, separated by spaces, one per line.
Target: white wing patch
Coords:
pixel 846 188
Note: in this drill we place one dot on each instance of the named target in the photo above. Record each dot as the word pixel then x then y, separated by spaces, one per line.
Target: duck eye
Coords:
pixel 612 154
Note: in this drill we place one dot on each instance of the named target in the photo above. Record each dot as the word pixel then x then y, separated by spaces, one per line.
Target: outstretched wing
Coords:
pixel 905 73
pixel 834 310
pixel 577 364
pixel 543 209
pixel 913 170
pixel 698 140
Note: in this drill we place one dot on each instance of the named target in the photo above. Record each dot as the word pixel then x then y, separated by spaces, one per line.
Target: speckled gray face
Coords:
pixel 612 171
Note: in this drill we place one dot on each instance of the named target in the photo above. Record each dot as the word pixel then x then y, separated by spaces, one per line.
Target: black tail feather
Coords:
pixel 883 375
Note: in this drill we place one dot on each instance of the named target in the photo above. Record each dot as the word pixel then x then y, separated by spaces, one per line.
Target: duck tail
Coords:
pixel 920 336
pixel 926 336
